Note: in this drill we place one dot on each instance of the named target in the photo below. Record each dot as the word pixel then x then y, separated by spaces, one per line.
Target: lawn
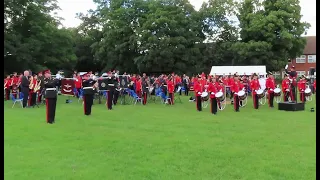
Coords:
pixel 158 142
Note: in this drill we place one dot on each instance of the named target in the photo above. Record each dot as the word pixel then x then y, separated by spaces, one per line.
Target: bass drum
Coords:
pixel 307 92
pixel 220 97
pixel 242 95
pixel 260 93
pixel 205 96
pixel 277 92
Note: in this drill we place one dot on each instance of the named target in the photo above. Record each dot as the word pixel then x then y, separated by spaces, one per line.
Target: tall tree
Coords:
pixel 270 32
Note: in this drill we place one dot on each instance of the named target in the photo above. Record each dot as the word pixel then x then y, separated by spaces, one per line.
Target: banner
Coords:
pixel 67 86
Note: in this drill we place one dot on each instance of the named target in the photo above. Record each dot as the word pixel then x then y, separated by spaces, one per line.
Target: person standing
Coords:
pixel 88 94
pixel 255 87
pixel 270 85
pixel 286 88
pixel 25 88
pixel 50 85
pixel 171 89
pixel 186 84
pixel 235 88
pixel 213 90
pixel 198 91
pixel 110 91
pixel 302 86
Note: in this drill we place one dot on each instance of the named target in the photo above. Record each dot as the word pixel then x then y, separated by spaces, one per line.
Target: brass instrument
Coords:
pixel 37 86
pixel 31 82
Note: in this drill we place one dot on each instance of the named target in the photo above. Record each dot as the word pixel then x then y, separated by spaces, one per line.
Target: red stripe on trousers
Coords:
pixel 47 110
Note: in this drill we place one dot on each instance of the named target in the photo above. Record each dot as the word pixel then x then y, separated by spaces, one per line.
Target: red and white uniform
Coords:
pixel 212 90
pixel 254 86
pixel 197 88
pixel 270 84
pixel 285 85
pixel 302 85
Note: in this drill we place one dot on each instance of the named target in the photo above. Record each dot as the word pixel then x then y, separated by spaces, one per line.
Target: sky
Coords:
pixel 69 8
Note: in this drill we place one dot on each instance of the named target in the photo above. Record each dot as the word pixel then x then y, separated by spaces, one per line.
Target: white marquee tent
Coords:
pixel 241 70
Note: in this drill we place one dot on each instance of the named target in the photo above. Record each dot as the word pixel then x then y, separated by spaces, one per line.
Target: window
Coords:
pixel 301 59
pixel 300 73
pixel 312 59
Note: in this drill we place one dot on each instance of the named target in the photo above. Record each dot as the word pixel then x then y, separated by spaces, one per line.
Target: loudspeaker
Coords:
pixel 312 71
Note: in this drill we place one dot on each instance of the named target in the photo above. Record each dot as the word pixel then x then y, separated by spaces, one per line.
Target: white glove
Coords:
pixel 220 90
pixel 199 92
pixel 212 93
pixel 287 90
pixel 286 67
pixel 271 89
pixel 255 91
pixel 236 93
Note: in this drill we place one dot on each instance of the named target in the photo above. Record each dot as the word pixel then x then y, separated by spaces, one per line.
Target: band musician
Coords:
pixel 270 85
pixel 286 88
pixel 198 91
pixel 213 89
pixel 242 87
pixel 235 88
pixel 171 88
pixel 7 83
pixel 302 86
pixel 255 86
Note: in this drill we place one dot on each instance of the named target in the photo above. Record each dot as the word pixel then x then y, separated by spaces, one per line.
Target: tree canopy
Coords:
pixel 153 35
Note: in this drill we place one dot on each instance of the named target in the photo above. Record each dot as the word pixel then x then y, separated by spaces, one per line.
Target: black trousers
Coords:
pixel 255 101
pixel 144 98
pixel 110 99
pixel 236 103
pixel 199 103
pixel 115 97
pixel 214 106
pixel 87 103
pixel 51 109
pixel 270 99
pixel 186 90
pixel 25 92
pixel 286 96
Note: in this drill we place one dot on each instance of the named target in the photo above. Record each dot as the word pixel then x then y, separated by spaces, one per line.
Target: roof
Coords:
pixel 310 47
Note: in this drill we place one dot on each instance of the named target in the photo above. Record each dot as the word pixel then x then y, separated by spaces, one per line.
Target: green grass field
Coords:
pixel 158 142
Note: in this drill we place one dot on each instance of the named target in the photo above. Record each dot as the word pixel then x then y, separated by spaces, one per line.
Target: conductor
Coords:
pixel 50 96
pixel 293 79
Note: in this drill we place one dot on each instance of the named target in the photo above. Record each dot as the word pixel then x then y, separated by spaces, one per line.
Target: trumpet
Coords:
pixel 37 86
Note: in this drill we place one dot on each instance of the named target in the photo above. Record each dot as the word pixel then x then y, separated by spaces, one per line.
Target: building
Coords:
pixel 307 60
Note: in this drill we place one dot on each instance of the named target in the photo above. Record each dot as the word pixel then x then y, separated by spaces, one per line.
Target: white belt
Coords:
pixel 87 87
pixel 110 84
pixel 51 89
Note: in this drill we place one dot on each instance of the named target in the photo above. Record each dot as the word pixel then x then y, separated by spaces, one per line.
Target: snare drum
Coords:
pixel 220 96
pixel 242 95
pixel 277 92
pixel 307 92
pixel 260 93
pixel 205 96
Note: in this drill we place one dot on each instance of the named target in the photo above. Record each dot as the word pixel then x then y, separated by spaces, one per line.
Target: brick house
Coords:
pixel 308 59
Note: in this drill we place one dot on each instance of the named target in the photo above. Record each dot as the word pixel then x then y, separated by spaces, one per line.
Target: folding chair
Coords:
pixel 15 100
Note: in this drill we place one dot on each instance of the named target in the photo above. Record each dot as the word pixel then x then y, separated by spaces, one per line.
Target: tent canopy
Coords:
pixel 241 70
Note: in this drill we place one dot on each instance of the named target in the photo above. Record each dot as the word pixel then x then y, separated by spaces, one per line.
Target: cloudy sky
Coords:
pixel 71 7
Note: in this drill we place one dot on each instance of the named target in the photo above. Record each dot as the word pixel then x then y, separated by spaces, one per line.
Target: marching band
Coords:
pixel 211 89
